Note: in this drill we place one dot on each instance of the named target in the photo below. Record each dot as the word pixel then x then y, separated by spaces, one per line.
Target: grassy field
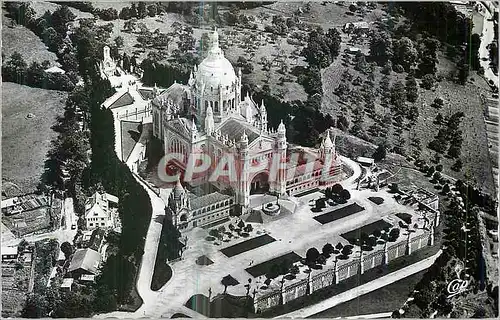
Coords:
pixel 26 141
pixel 40 7
pixel 21 39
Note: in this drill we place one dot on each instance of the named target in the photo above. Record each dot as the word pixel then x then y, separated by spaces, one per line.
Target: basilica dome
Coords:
pixel 215 69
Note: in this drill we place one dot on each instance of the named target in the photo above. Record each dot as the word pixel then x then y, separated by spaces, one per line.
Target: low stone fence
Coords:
pixel 343 270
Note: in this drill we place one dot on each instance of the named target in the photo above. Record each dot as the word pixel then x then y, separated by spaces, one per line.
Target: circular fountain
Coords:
pixel 271 208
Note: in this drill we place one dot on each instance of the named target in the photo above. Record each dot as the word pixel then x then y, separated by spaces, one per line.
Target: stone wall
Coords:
pixel 295 291
pixel 323 279
pixel 372 260
pixel 396 250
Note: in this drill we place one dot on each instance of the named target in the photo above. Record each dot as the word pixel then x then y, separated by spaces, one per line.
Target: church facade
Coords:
pixel 209 115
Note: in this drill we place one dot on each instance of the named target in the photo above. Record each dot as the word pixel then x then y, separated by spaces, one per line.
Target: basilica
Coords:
pixel 210 115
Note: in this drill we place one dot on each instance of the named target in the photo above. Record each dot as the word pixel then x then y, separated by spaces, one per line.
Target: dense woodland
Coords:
pixel 459 245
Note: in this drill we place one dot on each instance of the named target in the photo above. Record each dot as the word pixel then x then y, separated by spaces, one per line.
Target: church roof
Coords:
pixel 123 100
pixel 175 94
pixel 200 202
pixel 215 69
pixel 234 129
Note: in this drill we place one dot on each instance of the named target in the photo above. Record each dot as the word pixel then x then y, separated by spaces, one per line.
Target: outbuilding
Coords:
pixel 365 162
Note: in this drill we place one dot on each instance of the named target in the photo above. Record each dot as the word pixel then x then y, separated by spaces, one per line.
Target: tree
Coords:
pixel 457 166
pixel 119 41
pixel 439 119
pixel 428 81
pixel 67 249
pixel 342 123
pixel 320 203
pixel 413 113
pixel 60 19
pixel 394 188
pixel 361 64
pixel 345 195
pixel 394 234
pixel 241 224
pixel 337 188
pixel 228 281
pixel 327 249
pixel 141 10
pixel 248 228
pixel 15 68
pixel 446 189
pixel 381 47
pixel 133 10
pixel 346 251
pixel 312 256
pixel 152 10
pixel 463 73
pixel 214 233
pixel 380 153
pixel 339 246
pixel 405 53
pixel 125 13
pixel 411 89
pixel 398 97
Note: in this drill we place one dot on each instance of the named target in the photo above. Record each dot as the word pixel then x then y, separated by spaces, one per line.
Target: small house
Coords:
pixel 9 253
pixel 67 284
pixel 85 261
pixel 55 70
pixel 100 211
pixel 353 50
pixel 366 162
pixel 87 278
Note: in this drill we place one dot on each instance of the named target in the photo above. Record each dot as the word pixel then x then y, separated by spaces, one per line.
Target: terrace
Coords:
pixel 292 235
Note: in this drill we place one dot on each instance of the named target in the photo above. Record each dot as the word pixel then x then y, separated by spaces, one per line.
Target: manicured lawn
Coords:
pixel 264 267
pixel 351 236
pixel 131 132
pixel 404 216
pixel 161 274
pixel 179 315
pixel 339 213
pixel 305 193
pixel 247 245
pixel 376 200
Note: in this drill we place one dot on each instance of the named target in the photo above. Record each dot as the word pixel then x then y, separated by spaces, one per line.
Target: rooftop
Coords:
pixel 235 128
pixel 67 283
pixel 9 250
pixel 55 70
pixel 174 94
pixel 85 259
pixel 205 200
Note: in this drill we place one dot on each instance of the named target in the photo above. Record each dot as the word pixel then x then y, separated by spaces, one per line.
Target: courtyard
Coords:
pixel 249 260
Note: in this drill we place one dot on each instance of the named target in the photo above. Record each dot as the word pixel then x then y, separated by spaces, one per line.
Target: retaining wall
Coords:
pixel 342 271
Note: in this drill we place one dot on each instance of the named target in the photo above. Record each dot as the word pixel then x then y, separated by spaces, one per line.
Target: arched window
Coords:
pixel 206 105
pixel 216 106
pixel 224 105
pixel 212 104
